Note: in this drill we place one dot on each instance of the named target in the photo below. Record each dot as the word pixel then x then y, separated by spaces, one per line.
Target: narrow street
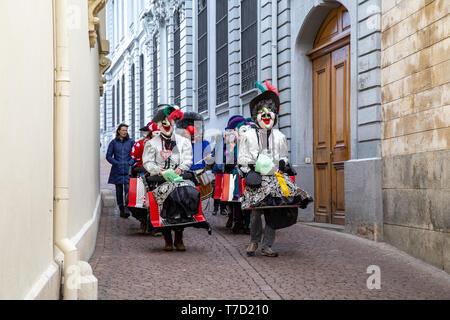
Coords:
pixel 314 263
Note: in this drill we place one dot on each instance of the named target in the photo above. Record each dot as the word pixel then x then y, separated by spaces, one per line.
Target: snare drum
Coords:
pixel 206 189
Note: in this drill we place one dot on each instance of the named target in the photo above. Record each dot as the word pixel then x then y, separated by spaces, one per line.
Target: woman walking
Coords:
pixel 119 155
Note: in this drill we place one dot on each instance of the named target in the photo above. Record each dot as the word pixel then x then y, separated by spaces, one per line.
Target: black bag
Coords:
pixel 279 218
pixel 189 175
pixel 286 168
pixel 253 179
pixel 181 205
pixel 155 178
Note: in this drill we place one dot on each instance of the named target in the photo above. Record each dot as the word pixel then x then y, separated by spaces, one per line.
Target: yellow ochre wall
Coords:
pixel 416 127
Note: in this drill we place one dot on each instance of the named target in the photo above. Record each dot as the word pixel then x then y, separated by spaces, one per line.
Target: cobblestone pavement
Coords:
pixel 313 264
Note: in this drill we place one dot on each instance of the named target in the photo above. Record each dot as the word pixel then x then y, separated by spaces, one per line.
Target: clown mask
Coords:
pixel 243 129
pixel 266 118
pixel 166 127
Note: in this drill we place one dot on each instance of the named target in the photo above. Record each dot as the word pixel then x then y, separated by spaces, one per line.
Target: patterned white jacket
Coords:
pixel 153 156
pixel 251 144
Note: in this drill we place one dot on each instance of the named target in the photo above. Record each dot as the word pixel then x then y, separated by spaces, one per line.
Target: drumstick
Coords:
pixel 202 159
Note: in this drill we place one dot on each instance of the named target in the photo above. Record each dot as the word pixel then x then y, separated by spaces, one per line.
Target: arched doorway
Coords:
pixel 331 100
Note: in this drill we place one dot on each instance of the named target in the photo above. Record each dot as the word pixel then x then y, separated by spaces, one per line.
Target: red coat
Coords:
pixel 138 150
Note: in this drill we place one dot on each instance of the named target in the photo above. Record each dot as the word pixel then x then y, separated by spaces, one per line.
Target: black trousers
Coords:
pixel 121 193
pixel 217 204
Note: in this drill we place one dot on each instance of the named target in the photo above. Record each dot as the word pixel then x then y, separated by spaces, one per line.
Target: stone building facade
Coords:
pixel 416 128
pixel 205 56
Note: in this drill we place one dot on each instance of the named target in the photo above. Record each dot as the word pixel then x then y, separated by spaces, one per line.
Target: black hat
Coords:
pixel 271 93
pixel 144 128
pixel 165 111
pixel 189 119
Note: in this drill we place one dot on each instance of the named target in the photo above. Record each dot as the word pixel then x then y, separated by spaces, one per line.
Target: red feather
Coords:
pixel 270 87
pixel 176 115
pixel 152 127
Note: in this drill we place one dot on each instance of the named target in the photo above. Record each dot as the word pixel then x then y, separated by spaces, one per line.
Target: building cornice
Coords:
pixel 104 63
pixel 94 7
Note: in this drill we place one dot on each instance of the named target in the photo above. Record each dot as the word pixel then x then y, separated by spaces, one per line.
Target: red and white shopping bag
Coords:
pixel 136 193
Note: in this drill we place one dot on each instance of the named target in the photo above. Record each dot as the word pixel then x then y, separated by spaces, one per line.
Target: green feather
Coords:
pixel 168 110
pixel 260 87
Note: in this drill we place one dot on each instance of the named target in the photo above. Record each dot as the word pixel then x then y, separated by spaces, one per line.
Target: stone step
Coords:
pixel 108 198
pixel 329 226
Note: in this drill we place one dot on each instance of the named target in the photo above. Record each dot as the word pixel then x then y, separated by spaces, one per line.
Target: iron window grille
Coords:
pixel 118 103
pixel 221 51
pixel 202 56
pixel 249 40
pixel 104 111
pixel 113 107
pixel 133 101
pixel 177 59
pixel 123 98
pixel 141 91
pixel 155 73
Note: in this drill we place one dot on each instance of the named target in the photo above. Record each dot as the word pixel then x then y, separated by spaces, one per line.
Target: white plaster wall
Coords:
pixel 84 128
pixel 26 119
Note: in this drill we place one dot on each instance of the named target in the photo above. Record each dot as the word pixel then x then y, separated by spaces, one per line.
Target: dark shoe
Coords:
pixel 179 246
pixel 246 230
pixel 251 249
pixel 214 213
pixel 169 243
pixel 229 223
pixel 237 227
pixel 223 211
pixel 143 227
pixel 268 252
pixel 122 212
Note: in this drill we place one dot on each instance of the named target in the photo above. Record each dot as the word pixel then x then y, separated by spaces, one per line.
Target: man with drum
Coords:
pixel 191 127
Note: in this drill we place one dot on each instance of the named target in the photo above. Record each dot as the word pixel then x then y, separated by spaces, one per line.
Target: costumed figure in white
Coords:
pixel 168 158
pixel 263 159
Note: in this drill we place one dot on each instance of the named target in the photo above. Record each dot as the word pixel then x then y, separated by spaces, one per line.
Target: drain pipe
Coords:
pixel 275 43
pixel 61 154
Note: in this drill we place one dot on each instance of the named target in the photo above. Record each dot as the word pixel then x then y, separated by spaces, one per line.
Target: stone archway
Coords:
pixel 310 15
pixel 331 87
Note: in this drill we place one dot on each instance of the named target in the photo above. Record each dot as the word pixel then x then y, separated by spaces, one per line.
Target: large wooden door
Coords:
pixel 331 85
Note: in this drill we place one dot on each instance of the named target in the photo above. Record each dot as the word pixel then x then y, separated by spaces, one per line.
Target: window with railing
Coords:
pixel 133 102
pixel 141 91
pixel 249 38
pixel 177 59
pixel 113 107
pixel 104 111
pixel 118 103
pixel 123 98
pixel 155 73
pixel 221 51
pixel 202 36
